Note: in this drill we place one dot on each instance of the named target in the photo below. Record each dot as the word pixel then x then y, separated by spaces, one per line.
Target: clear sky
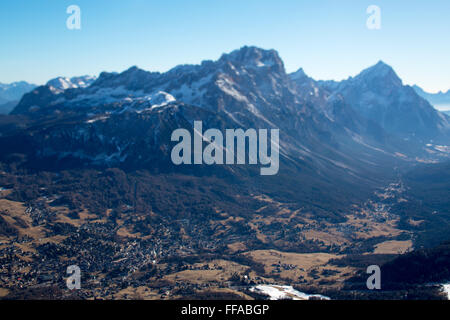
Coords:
pixel 328 38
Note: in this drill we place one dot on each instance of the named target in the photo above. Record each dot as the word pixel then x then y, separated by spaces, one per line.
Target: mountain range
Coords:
pixel 372 115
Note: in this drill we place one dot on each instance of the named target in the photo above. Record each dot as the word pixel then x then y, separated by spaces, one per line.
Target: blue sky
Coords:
pixel 328 38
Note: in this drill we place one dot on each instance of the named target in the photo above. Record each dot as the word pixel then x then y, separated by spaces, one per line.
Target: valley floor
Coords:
pixel 40 239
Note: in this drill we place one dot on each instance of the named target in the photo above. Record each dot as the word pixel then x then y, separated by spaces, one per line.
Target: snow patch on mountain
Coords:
pixel 14 91
pixel 60 84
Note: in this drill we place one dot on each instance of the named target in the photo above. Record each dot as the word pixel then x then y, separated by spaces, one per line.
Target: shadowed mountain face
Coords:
pixel 6 107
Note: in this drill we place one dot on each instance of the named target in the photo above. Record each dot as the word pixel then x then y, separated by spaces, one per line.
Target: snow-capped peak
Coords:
pixel 299 75
pixel 60 84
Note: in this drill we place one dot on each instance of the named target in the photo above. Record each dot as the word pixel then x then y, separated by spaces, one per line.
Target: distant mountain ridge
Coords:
pixel 10 94
pixel 439 100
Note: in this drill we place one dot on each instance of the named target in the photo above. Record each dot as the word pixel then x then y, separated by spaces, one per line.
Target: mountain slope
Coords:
pixel 7 107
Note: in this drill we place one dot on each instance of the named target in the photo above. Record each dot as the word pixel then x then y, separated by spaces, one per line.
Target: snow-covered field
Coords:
pixel 276 292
